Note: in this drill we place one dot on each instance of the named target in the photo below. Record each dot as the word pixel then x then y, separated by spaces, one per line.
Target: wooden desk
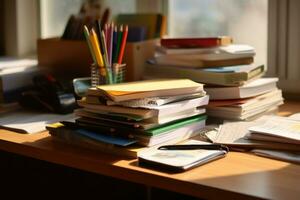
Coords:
pixel 237 176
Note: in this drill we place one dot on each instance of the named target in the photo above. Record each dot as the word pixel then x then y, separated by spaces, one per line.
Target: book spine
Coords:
pixel 153 71
pixel 196 42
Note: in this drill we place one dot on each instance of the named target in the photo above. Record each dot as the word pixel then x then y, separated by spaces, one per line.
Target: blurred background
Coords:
pixel 271 27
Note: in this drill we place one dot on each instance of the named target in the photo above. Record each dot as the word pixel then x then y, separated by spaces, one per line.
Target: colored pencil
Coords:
pixel 103 43
pixel 95 44
pixel 110 43
pixel 106 34
pixel 87 37
pixel 107 66
pixel 118 44
pixel 122 49
pixel 115 43
pixel 98 31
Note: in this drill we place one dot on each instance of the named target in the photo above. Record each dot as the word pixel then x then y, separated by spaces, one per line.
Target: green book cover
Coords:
pixel 174 125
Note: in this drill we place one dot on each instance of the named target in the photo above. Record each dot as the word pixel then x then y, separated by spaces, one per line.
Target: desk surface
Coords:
pixel 238 175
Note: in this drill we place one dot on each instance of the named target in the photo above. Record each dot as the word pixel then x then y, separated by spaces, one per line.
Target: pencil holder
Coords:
pixel 107 75
pixel 99 75
pixel 95 78
pixel 119 72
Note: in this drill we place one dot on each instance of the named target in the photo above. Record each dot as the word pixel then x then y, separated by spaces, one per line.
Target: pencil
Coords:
pixel 87 37
pixel 103 43
pixel 95 44
pixel 115 42
pixel 106 32
pixel 118 44
pixel 122 49
pixel 98 31
pixel 110 42
pixel 108 68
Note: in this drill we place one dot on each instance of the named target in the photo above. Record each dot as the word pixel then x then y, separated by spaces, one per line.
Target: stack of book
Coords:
pixel 247 102
pixel 233 81
pixel 139 114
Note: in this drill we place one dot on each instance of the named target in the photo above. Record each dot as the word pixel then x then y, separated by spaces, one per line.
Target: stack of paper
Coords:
pixel 146 113
pixel 213 61
pixel 266 132
pixel 277 129
pixel 246 102
pixel 231 77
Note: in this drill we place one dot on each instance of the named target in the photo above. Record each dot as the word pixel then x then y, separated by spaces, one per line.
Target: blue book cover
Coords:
pixel 106 138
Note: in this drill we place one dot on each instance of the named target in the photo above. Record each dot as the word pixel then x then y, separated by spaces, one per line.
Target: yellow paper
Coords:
pixel 146 86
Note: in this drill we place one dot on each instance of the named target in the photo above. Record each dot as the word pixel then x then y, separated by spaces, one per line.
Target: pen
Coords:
pixel 195 147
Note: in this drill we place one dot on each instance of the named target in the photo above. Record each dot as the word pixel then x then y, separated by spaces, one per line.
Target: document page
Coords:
pixel 25 121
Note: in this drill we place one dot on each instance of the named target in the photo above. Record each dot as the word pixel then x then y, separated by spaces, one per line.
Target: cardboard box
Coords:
pixel 135 57
pixel 72 59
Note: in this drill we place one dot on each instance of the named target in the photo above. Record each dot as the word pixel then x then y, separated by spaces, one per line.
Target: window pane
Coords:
pixel 55 13
pixel 246 21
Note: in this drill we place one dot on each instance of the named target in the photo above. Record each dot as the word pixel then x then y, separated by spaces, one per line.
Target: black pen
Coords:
pixel 194 147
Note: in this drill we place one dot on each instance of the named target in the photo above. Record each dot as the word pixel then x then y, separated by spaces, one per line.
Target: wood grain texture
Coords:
pixel 238 175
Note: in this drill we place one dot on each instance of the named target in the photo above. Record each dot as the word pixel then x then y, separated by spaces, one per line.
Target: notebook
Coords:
pixel 241 76
pixel 67 135
pixel 145 89
pixel 232 48
pixel 145 102
pixel 196 42
pixel 202 61
pixel 174 131
pixel 179 160
pixel 254 88
pixel 176 135
pixel 153 111
pixel 117 128
pixel 246 108
pixel 230 52
pixel 144 124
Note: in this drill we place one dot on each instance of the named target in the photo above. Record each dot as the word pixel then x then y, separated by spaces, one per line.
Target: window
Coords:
pixel 245 21
pixel 55 13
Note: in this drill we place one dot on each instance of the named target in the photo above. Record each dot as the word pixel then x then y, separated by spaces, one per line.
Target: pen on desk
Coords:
pixel 195 147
